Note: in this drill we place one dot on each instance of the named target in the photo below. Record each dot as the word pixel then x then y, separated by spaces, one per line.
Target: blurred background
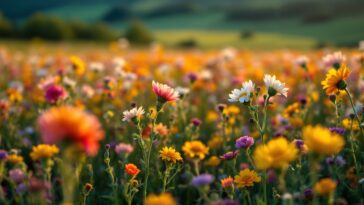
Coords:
pixel 258 24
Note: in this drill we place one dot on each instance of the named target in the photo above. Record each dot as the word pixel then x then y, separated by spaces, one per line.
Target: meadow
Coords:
pixel 110 124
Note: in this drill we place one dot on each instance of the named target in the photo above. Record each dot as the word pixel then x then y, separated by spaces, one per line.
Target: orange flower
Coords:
pixel 227 182
pixel 70 124
pixel 132 169
pixel 161 129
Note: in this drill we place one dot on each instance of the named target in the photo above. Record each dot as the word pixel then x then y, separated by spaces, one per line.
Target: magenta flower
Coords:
pixel 196 122
pixel 53 93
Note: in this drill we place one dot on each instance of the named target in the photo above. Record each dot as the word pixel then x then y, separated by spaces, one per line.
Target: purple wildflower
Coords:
pixel 17 175
pixel 337 130
pixel 225 202
pixel 21 188
pixel 308 194
pixel 244 142
pixel 272 177
pixel 229 155
pixel 203 179
pixel 196 122
pixel 340 161
pixel 299 144
pixel 3 154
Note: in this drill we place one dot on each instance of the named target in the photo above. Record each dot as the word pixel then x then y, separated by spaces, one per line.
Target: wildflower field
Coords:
pixel 159 126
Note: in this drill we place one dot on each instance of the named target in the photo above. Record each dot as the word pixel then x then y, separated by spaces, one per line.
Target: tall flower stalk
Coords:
pixel 354 111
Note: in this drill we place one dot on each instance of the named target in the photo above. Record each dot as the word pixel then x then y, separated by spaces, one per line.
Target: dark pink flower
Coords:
pixel 53 93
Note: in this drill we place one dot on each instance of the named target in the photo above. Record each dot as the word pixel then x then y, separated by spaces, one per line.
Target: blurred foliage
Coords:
pixel 55 29
pixel 247 34
pixel 6 28
pixel 50 28
pixel 188 43
pixel 137 33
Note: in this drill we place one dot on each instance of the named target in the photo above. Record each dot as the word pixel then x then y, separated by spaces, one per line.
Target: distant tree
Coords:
pixel 137 33
pixel 6 28
pixel 101 31
pixel 188 43
pixel 247 34
pixel 46 27
pixel 81 30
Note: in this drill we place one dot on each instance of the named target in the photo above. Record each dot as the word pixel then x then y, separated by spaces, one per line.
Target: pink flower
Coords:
pixel 164 92
pixel 124 148
pixel 334 60
pixel 17 175
pixel 53 93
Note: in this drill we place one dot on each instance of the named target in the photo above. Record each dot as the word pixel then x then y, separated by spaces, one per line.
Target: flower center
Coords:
pixel 341 85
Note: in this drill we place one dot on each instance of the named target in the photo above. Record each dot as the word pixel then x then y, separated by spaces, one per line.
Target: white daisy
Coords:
pixel 182 91
pixel 239 95
pixel 275 86
pixel 129 115
pixel 301 61
pixel 248 87
pixel 97 66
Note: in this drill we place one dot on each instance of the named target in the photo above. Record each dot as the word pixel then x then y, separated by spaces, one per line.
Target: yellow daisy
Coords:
pixel 277 153
pixel 162 199
pixel 195 149
pixel 335 80
pixel 246 178
pixel 321 140
pixel 170 154
pixel 43 151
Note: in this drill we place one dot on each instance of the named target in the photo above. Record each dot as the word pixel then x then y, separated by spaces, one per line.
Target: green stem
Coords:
pixel 355 113
pixel 337 114
pixel 264 126
pixel 265 187
pixel 196 166
pixel 352 148
pixel 247 194
pixel 247 152
pixel 149 150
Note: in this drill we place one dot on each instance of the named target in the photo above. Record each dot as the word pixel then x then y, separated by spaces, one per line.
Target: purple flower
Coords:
pixel 340 161
pixel 17 175
pixel 272 177
pixel 337 130
pixel 308 194
pixel 330 161
pixel 225 202
pixel 244 142
pixel 21 188
pixel 203 179
pixel 124 148
pixel 299 144
pixel 192 77
pixel 229 155
pixel 3 154
pixel 196 122
pixel 53 93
